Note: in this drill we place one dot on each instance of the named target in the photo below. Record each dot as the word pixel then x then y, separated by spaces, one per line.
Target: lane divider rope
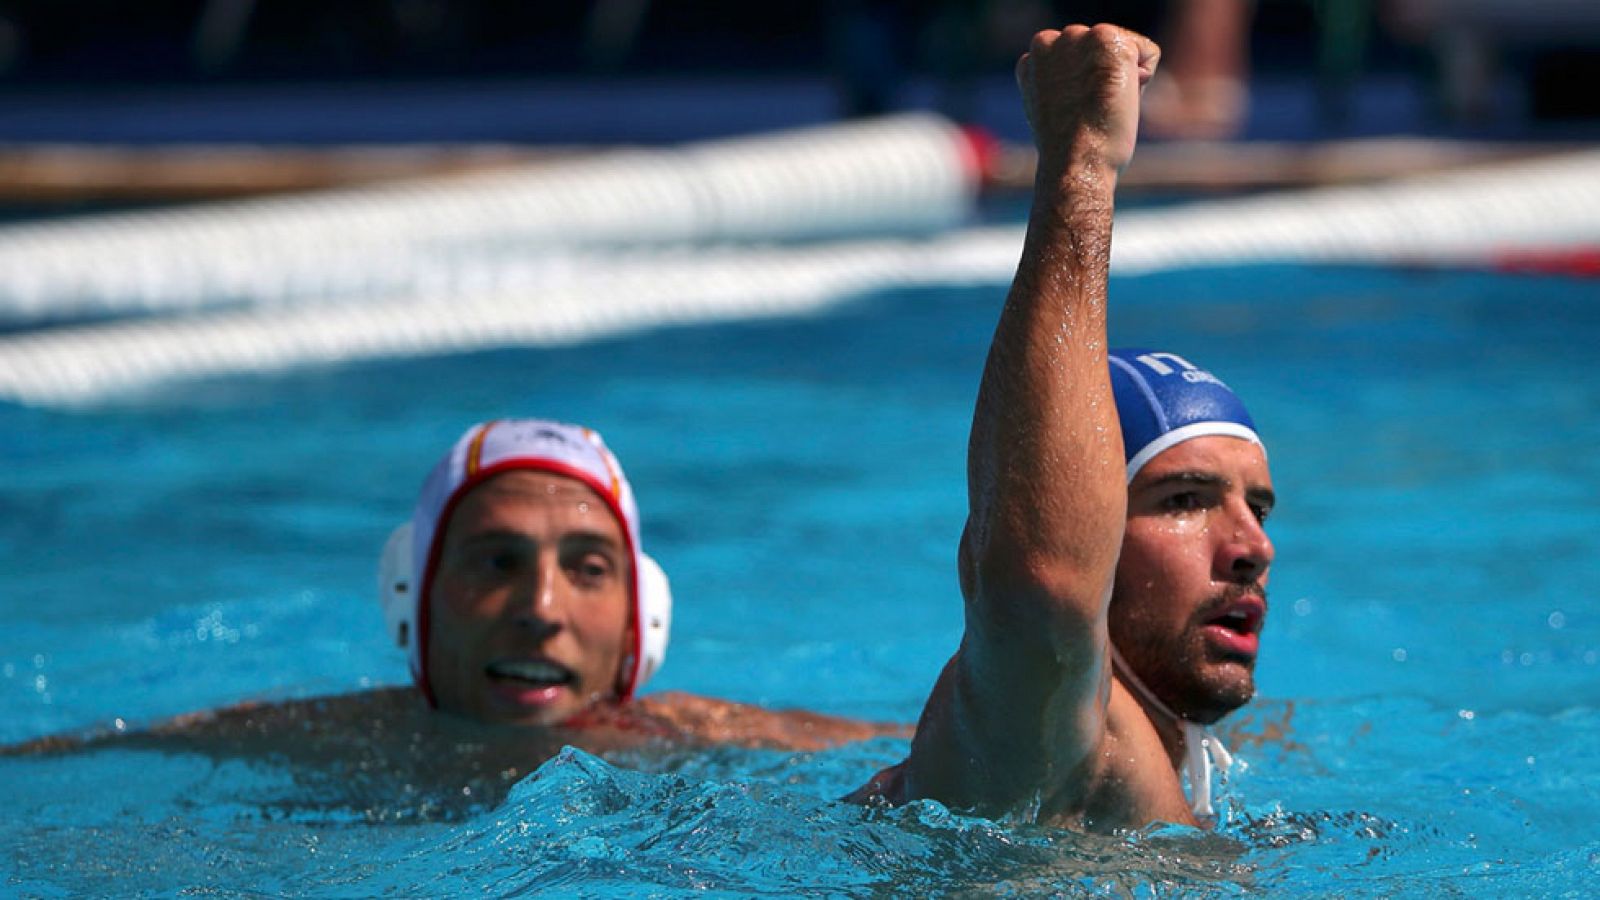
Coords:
pixel 499 297
pixel 903 174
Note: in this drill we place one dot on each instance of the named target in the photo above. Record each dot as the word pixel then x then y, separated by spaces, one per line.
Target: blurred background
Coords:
pixel 212 413
pixel 103 102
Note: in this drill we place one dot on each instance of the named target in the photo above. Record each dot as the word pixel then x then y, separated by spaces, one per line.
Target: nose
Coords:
pixel 1246 554
pixel 535 602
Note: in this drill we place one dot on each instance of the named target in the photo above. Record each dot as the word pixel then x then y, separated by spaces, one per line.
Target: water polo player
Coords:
pixel 531 617
pixel 1116 503
pixel 537 605
pixel 533 598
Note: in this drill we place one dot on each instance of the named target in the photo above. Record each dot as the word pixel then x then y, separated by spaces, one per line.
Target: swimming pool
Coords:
pixel 1434 634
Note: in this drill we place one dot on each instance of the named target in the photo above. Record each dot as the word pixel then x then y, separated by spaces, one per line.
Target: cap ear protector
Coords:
pixel 395 594
pixel 654 620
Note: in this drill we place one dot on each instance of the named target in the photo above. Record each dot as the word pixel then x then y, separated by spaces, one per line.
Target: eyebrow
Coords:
pixel 1190 478
pixel 592 539
pixel 583 538
pixel 1261 496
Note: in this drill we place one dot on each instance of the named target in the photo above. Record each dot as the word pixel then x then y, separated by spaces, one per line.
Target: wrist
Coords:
pixel 1079 195
pixel 1085 149
pixel 1085 164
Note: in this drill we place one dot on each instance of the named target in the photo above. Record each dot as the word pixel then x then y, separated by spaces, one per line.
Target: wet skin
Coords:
pixel 1190 599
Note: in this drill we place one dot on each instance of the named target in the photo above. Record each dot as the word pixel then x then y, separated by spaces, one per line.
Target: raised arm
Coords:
pixel 1018 712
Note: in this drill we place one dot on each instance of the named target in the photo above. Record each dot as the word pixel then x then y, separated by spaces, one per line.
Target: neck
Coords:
pixel 1168 724
pixel 1189 747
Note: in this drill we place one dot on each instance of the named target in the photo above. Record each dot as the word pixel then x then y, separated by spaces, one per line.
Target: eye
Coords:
pixel 1261 512
pixel 1183 501
pixel 488 562
pixel 591 570
pixel 497 561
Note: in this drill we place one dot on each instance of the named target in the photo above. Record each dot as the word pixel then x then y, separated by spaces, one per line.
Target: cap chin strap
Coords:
pixel 1202 751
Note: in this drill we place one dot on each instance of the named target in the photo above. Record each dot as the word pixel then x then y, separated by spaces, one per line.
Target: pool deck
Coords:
pixel 68 148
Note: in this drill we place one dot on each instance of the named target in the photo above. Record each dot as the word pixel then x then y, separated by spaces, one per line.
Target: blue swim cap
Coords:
pixel 1164 400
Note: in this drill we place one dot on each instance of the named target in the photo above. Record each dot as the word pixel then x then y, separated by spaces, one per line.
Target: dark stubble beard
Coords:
pixel 1179 668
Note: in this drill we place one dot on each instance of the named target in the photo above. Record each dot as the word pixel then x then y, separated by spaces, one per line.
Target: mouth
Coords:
pixel 1237 626
pixel 1243 617
pixel 529 675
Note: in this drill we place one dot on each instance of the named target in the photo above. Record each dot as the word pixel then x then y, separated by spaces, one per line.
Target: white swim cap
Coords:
pixel 486 450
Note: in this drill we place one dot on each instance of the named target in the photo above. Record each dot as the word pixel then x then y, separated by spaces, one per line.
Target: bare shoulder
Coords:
pixel 714 721
pixel 1131 780
pixel 254 725
pixel 1124 782
pixel 381 708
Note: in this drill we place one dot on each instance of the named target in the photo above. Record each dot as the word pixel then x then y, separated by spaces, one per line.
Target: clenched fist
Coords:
pixel 1080 89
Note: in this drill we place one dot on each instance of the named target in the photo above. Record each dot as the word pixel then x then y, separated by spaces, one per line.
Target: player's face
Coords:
pixel 1190 597
pixel 530 601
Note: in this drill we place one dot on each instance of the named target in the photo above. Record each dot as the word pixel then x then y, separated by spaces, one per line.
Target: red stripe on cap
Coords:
pixel 611 469
pixel 475 451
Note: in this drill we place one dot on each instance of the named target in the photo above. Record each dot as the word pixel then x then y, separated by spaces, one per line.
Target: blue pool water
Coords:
pixel 1434 631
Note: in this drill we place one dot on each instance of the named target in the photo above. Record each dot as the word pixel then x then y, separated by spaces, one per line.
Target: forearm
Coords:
pixel 712 721
pixel 1045 482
